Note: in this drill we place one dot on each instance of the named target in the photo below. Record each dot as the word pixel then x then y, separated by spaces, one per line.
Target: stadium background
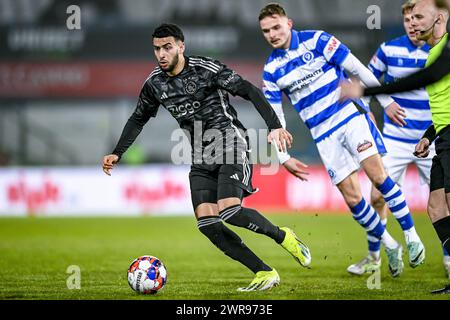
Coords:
pixel 66 94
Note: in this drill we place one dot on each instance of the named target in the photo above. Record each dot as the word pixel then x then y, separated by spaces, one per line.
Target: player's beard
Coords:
pixel 172 65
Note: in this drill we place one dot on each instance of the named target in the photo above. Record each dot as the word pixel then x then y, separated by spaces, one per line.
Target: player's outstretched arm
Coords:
pixel 280 136
pixel 418 80
pixel 351 90
pixel 249 92
pixel 354 90
pixel 146 108
pixel 232 82
pixel 129 134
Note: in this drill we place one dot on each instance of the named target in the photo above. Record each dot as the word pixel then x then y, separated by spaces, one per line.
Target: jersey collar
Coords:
pixel 444 38
pixel 294 40
pixel 412 47
pixel 293 45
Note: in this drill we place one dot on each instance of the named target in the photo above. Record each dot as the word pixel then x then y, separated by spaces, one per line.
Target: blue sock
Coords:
pixel 375 243
pixel 395 199
pixel 368 218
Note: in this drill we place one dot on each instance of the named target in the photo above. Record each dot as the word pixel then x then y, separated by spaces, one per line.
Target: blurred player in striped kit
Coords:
pixel 397 59
pixel 431 25
pixel 307 66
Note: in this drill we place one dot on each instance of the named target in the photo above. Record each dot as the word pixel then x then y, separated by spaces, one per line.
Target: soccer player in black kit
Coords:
pixel 195 91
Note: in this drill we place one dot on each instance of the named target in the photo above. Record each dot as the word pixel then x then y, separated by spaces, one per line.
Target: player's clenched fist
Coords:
pixel 422 148
pixel 108 163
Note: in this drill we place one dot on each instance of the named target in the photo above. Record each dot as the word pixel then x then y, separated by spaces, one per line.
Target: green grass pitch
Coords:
pixel 36 252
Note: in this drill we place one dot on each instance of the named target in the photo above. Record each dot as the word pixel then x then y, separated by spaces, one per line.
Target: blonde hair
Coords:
pixel 408 6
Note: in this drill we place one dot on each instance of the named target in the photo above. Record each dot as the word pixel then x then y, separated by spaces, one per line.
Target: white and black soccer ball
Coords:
pixel 147 275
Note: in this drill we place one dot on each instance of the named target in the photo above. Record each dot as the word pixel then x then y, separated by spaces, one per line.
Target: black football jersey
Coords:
pixel 198 99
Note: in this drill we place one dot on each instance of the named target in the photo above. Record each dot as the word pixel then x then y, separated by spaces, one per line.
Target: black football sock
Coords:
pixel 252 220
pixel 230 243
pixel 442 228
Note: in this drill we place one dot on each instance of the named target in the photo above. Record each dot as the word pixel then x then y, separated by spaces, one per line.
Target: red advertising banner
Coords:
pixel 164 190
pixel 54 80
pixel 86 79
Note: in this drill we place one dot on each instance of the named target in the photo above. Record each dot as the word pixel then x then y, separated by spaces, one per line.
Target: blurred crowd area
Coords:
pixel 65 95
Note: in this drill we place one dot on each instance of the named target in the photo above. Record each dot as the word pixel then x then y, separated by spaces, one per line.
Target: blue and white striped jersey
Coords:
pixel 309 73
pixel 397 59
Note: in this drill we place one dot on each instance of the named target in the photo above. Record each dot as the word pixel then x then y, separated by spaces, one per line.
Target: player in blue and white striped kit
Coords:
pixel 307 66
pixel 397 59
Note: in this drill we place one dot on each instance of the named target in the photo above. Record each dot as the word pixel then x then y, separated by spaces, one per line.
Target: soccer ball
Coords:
pixel 147 275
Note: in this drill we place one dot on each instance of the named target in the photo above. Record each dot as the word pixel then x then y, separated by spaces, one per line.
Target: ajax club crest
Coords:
pixel 190 87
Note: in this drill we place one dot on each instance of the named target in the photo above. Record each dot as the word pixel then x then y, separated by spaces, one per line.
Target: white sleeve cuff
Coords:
pixel 282 156
pixel 385 100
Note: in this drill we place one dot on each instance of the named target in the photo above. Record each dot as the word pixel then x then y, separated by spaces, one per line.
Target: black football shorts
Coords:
pixel 210 183
pixel 440 170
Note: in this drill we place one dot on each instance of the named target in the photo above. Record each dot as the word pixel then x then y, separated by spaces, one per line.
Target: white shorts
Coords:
pixel 400 155
pixel 344 150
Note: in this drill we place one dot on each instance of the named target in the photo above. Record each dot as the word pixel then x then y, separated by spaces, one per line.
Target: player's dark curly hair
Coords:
pixel 168 30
